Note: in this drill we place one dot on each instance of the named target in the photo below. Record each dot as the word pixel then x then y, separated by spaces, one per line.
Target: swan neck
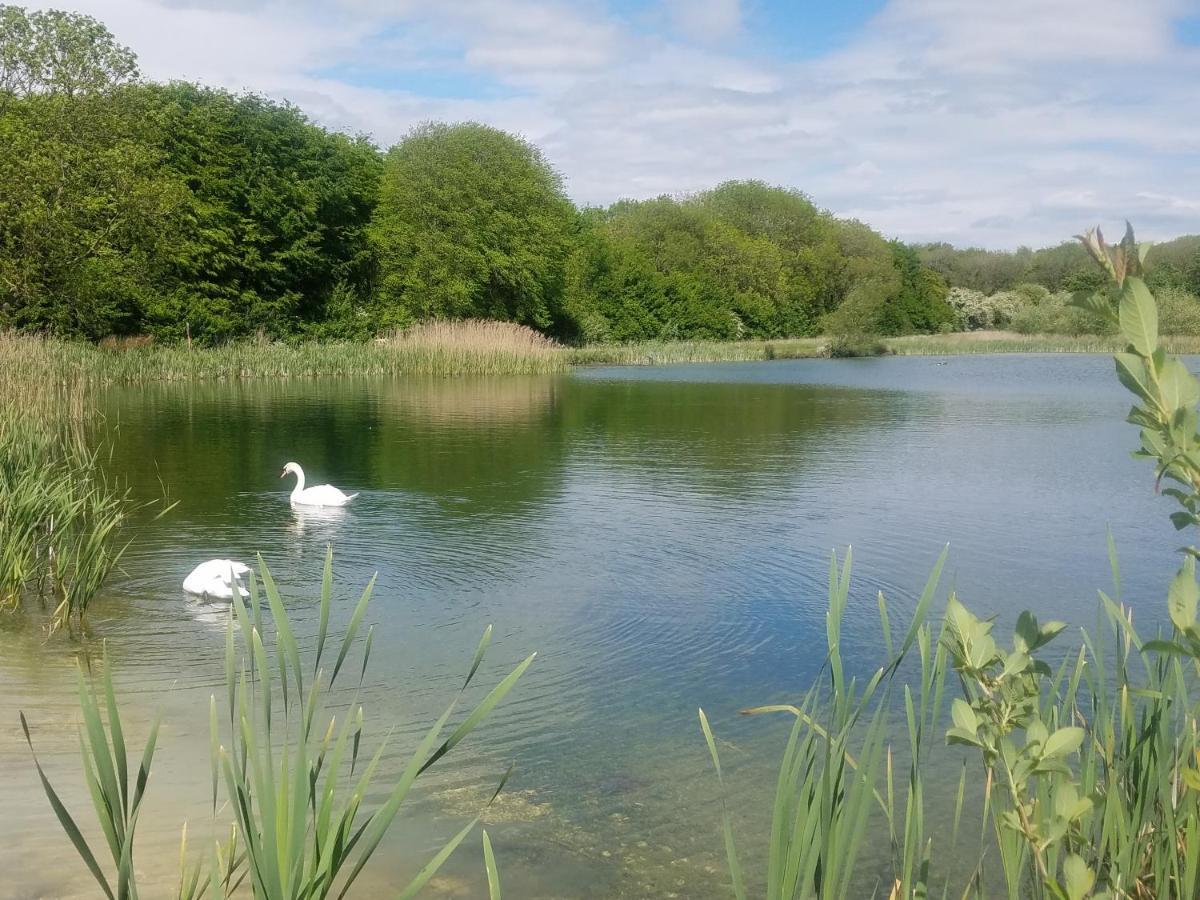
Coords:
pixel 299 488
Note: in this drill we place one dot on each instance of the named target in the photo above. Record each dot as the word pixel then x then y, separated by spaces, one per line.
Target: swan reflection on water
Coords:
pixel 316 521
pixel 212 614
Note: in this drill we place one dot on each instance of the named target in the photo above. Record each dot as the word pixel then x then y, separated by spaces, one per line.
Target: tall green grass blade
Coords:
pixel 326 603
pixel 352 629
pixel 489 864
pixel 494 696
pixel 431 868
pixel 65 820
pixel 735 869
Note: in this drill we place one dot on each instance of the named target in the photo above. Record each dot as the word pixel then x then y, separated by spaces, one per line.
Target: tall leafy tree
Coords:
pixel 274 233
pixel 471 222
pixel 83 200
pixel 920 306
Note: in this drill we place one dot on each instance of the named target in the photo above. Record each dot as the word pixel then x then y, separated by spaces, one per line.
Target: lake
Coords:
pixel 661 536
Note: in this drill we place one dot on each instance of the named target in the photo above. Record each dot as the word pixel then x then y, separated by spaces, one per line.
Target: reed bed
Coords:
pixel 656 353
pixel 474 347
pixel 437 348
pixel 60 516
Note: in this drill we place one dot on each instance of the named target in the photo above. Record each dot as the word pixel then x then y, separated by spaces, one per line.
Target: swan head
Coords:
pixel 292 469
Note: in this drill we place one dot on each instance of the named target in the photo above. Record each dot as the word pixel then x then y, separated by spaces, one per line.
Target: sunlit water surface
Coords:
pixel 660 536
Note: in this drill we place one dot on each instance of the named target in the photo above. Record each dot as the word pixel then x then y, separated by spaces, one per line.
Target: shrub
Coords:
pixel 976 311
pixel 1058 314
pixel 844 346
pixel 1178 311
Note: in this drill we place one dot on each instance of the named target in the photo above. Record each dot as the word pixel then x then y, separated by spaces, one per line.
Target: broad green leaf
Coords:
pixel 1131 372
pixel 1139 316
pixel 1178 387
pixel 1183 595
pixel 1063 742
pixel 959 736
pixel 1078 877
pixel 964 717
pixel 1182 520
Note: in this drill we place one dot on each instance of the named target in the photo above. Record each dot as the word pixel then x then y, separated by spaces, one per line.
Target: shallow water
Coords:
pixel 660 536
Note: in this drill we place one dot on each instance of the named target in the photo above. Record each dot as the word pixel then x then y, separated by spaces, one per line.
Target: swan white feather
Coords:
pixel 317 495
pixel 217 578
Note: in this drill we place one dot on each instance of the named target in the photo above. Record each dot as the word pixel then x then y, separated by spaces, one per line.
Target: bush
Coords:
pixel 975 310
pixel 1057 315
pixel 1178 311
pixel 844 346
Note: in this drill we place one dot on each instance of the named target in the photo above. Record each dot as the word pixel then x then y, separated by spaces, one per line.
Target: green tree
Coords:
pixel 920 306
pixel 613 291
pixel 83 202
pixel 274 238
pixel 56 52
pixel 1191 279
pixel 981 270
pixel 808 239
pixel 471 222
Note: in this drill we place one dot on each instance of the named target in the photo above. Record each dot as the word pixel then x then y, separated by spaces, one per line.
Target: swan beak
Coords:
pixel 284 472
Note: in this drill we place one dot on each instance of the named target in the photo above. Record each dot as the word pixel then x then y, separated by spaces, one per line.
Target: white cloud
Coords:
pixel 960 120
pixel 706 20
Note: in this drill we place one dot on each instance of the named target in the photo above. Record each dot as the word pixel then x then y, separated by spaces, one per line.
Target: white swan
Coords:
pixel 217 579
pixel 317 495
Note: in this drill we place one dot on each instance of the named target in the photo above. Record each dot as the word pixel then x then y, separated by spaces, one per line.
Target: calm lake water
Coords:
pixel 660 536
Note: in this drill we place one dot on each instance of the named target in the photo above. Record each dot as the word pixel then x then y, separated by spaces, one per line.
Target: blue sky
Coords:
pixel 961 120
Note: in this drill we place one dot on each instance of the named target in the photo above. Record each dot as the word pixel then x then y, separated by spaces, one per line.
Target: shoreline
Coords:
pixel 43 360
pixel 956 344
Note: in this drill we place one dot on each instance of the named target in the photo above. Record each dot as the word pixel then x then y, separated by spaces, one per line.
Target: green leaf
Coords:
pixel 964 717
pixel 430 869
pixel 489 863
pixel 1167 647
pixel 65 820
pixel 1078 877
pixel 1063 742
pixel 959 736
pixel 1027 629
pixel 485 706
pixel 1015 663
pixel 1139 316
pixel 1036 733
pixel 1182 520
pixel 1183 595
pixel 735 869
pixel 1131 372
pixel 1177 386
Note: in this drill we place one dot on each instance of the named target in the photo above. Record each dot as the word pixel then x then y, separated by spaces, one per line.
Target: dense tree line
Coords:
pixel 178 210
pixel 1067 267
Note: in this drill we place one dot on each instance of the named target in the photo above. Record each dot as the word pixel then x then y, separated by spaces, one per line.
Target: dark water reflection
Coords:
pixel 660 536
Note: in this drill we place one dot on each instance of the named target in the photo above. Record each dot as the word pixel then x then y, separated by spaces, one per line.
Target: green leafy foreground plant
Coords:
pixel 1090 772
pixel 294 777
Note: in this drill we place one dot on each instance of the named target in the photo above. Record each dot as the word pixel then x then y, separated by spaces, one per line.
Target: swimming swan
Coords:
pixel 318 495
pixel 217 579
